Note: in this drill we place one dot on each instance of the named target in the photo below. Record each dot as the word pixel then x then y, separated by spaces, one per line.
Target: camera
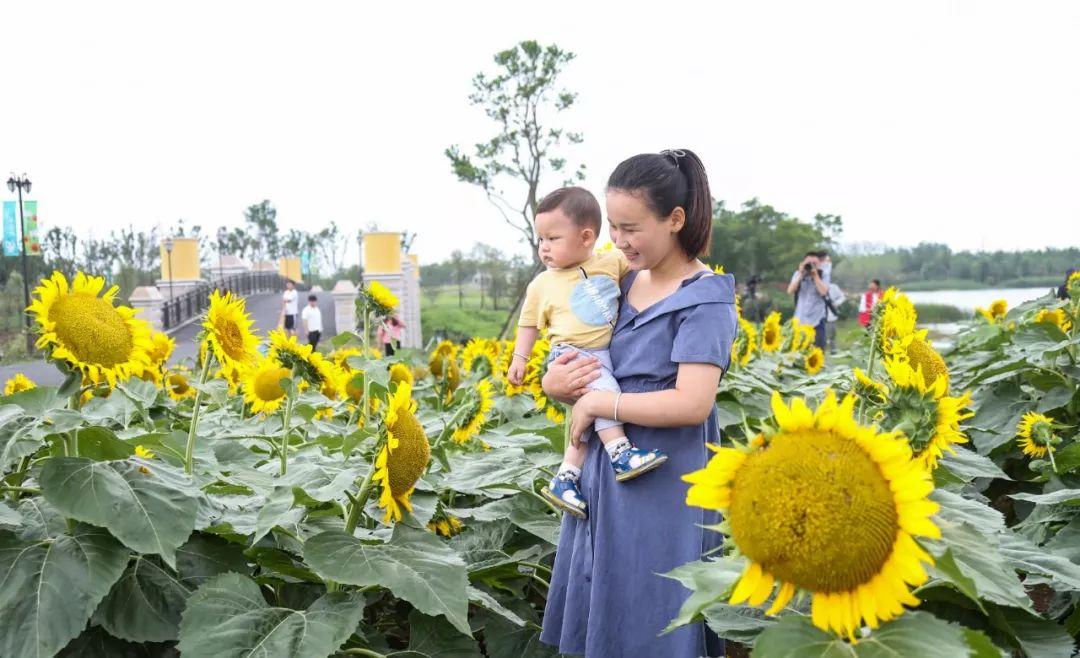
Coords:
pixel 808 268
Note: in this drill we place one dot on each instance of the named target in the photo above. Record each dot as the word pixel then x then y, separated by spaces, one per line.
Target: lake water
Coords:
pixel 968 299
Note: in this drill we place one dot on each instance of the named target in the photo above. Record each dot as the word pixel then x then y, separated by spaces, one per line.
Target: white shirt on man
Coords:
pixel 290 301
pixel 312 317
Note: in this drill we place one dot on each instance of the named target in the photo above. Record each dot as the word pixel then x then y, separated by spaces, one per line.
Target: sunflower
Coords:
pixel 479 407
pixel 162 348
pixel 228 330
pixel 380 300
pixel 178 384
pixel 867 388
pixel 826 506
pixel 404 456
pixel 604 248
pixel 301 359
pixel 481 355
pixel 332 378
pixel 1072 284
pixel 401 372
pixel 1056 317
pixel 262 385
pixel 742 350
pixel 444 352
pixel 928 417
pixel 814 361
pixel 17 384
pixel 986 314
pixel 998 308
pixel 143 453
pixel 771 333
pixel 718 269
pixel 893 317
pixel 921 355
pixel 420 372
pixel 1036 433
pixel 102 341
pixel 445 524
pixel 233 376
pixel 340 357
pixel 533 382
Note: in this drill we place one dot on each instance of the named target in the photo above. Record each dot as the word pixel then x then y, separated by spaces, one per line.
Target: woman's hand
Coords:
pixel 569 375
pixel 582 416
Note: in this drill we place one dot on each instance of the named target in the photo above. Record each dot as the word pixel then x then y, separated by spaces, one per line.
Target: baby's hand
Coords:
pixel 516 373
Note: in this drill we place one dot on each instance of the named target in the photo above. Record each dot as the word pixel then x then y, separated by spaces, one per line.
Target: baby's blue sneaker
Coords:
pixel 563 491
pixel 633 462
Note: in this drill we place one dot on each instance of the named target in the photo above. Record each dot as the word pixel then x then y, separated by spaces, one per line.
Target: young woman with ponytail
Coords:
pixel 671 344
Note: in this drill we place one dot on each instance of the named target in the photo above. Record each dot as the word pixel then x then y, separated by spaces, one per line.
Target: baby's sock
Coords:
pixel 570 471
pixel 616 447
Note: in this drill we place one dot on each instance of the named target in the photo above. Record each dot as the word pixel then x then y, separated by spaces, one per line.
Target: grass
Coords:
pixel 445 318
pixel 940 313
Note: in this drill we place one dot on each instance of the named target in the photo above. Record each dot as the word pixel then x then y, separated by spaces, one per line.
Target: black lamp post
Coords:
pixel 21 183
pixel 168 253
pixel 220 256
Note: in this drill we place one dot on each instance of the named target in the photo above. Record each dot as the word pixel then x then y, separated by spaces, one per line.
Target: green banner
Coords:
pixel 31 238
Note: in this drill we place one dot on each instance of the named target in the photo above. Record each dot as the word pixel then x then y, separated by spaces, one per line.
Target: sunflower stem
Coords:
pixel 1053 464
pixel 189 451
pixel 357 504
pixel 287 421
pixel 367 355
pixel 19 490
pixel 362 652
pixel 869 374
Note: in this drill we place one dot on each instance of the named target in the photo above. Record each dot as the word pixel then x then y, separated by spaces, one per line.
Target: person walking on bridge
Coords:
pixel 289 307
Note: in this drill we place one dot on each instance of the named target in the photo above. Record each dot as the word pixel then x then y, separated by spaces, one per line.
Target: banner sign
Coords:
pixel 305 263
pixel 11 230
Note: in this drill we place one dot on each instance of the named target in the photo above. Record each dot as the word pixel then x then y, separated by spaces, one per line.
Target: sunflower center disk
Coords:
pixel 92 329
pixel 814 510
pixel 179 384
pixel 407 462
pixel 231 339
pixel 933 366
pixel 268 384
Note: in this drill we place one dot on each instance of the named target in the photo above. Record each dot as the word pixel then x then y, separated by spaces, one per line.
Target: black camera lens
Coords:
pixel 808 267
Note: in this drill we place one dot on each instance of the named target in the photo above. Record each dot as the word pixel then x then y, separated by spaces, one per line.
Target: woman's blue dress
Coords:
pixel 606 599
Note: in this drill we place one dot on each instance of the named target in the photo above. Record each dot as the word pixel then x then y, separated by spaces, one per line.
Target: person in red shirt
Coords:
pixel 867 301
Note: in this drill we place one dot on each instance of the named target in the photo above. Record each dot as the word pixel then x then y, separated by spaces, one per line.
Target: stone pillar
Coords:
pixel 410 304
pixel 147 302
pixel 344 294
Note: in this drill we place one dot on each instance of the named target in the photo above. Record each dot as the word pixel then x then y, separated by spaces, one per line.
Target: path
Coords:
pixel 264 310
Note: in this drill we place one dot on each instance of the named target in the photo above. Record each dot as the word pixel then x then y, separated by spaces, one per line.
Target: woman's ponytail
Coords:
pixel 668 180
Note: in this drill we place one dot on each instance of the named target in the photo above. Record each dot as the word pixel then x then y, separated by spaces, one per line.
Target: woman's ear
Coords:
pixel 677 219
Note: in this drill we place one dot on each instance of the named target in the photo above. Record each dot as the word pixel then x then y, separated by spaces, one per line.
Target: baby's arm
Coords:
pixel 526 337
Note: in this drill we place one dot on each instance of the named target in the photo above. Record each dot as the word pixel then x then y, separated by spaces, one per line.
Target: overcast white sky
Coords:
pixel 929 120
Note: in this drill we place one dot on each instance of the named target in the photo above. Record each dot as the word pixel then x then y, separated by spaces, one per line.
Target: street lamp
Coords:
pixel 22 183
pixel 168 253
pixel 360 261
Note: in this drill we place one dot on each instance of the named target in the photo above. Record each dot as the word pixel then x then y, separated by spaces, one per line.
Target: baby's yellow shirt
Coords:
pixel 577 305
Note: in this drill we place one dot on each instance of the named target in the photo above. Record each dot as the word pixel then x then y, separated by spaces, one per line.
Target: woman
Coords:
pixel 389 334
pixel 672 341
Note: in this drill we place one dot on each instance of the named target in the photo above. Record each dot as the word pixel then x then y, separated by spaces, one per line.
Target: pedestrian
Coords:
pixel 288 307
pixel 832 314
pixel 389 334
pixel 810 285
pixel 869 299
pixel 312 318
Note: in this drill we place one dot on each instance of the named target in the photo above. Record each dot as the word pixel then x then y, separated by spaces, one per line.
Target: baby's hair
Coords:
pixel 668 180
pixel 577 203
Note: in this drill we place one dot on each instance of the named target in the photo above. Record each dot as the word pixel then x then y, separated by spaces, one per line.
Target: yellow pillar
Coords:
pixel 289 267
pixel 185 260
pixel 382 253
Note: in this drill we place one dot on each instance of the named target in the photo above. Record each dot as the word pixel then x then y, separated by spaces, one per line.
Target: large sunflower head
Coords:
pixel 479 406
pixel 1057 317
pixel 772 334
pixel 404 456
pixel 481 356
pixel 998 308
pixel 177 383
pixel 922 357
pixel 826 506
pixel 17 384
pixel 814 361
pixel 301 359
pixel 380 300
pixel 88 332
pixel 262 385
pixel 401 372
pixel 444 352
pixel 228 330
pixel 1036 434
pixel 925 414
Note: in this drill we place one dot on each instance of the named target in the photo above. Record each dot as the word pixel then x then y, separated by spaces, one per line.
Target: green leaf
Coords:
pixel 275 510
pixel 49 589
pixel 739 623
pixel 150 512
pixel 969 465
pixel 523 510
pixel 488 602
pixel 1025 556
pixel 38 402
pixel 977 557
pixel 433 636
pixel 205 556
pixel 481 473
pixel 228 618
pixel 322 481
pixel 981 646
pixel 40 519
pixel 96 643
pixel 503 639
pixel 17 436
pixel 709 581
pixel 9 517
pixel 415 566
pixel 913 634
pixel 145 604
pixel 1069 496
pixel 101 444
pixel 1038 637
pixel 958 509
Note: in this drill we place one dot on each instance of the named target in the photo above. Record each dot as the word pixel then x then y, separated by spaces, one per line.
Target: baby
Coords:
pixel 577 301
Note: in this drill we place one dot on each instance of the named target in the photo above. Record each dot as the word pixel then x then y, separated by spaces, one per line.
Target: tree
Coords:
pixel 522 97
pixel 261 219
pixel 461 272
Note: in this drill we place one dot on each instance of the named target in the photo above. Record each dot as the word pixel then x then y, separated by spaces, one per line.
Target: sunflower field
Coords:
pixel 271 499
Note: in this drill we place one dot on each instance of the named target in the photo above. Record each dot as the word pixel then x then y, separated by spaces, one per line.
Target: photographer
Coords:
pixel 810 285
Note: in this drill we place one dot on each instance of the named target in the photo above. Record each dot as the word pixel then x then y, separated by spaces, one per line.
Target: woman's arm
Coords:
pixel 689 403
pixel 569 375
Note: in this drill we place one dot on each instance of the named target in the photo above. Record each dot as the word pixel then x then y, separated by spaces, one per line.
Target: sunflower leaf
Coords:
pixel 228 616
pixel 147 505
pixel 415 566
pixel 145 604
pixel 969 558
pixel 434 637
pixel 710 582
pixel 913 634
pixel 50 588
pixel 1033 634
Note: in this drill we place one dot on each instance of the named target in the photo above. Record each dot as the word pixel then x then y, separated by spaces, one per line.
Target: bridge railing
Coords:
pixel 194 302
